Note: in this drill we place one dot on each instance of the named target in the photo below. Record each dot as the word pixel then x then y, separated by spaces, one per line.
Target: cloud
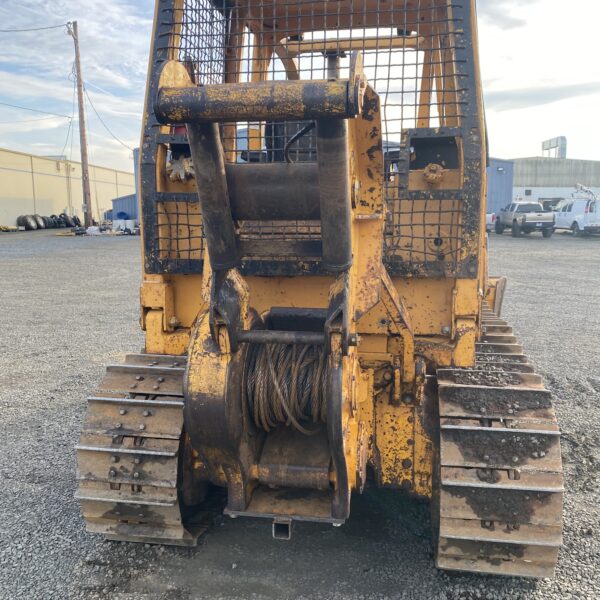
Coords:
pixel 502 100
pixel 503 13
pixel 35 68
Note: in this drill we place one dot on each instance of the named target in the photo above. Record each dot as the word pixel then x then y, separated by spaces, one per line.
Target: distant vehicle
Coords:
pixel 579 214
pixel 525 217
pixel 490 221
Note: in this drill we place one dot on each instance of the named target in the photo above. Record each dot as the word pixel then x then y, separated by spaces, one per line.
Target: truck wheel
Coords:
pixel 575 230
pixel 547 233
pixel 516 229
pixel 499 228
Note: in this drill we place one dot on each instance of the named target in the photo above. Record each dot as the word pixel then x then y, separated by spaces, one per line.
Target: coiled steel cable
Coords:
pixel 286 383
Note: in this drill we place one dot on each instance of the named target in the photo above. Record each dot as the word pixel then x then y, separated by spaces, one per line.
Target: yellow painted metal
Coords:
pixel 397 320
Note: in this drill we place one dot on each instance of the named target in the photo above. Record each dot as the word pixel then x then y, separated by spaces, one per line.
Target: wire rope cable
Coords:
pixel 286 384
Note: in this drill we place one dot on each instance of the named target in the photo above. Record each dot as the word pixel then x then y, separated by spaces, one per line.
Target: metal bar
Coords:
pixel 268 336
pixel 136 401
pixel 256 101
pixel 125 451
pixel 122 501
pixel 339 45
pixel 207 151
pixel 336 213
pixel 272 192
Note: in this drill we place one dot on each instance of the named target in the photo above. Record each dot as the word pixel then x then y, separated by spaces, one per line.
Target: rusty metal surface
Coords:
pixel 291 459
pixel 501 483
pixel 128 453
pixel 299 505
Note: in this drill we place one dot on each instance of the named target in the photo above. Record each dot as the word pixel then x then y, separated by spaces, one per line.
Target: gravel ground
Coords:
pixel 69 306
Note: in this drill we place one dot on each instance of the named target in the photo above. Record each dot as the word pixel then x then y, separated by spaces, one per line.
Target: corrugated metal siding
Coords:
pixel 556 173
pixel 500 184
pixel 541 194
pixel 39 185
pixel 126 204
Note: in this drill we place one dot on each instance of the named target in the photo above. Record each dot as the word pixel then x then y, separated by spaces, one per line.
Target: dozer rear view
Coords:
pixel 315 297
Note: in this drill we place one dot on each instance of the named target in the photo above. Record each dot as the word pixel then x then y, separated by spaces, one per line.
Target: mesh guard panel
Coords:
pixel 415 58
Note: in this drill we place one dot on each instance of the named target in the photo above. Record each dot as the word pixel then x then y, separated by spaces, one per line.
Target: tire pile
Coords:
pixel 32 222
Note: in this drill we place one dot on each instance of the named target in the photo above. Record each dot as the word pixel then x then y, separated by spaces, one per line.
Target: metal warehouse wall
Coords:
pixel 126 204
pixel 500 175
pixel 539 194
pixel 556 173
pixel 36 185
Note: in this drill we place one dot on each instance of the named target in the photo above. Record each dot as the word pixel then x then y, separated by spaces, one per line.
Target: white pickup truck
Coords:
pixel 525 217
pixel 579 214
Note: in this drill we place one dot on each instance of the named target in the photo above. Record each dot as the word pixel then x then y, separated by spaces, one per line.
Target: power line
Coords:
pixel 32 29
pixel 104 124
pixel 43 112
pixel 28 120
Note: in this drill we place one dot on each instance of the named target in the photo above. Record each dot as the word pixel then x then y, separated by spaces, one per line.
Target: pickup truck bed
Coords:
pixel 525 218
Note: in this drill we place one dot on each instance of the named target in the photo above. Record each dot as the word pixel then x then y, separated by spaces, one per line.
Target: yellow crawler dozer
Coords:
pixel 317 310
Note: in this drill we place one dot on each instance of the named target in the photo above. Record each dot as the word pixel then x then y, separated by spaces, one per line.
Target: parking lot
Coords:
pixel 70 305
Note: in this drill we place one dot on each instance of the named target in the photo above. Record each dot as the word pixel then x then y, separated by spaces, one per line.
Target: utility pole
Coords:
pixel 85 171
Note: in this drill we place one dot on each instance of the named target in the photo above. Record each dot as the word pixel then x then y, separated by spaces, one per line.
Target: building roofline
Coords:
pixel 74 162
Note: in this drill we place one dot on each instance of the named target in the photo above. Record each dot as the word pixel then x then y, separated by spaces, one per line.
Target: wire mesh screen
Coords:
pixel 410 59
pixel 179 232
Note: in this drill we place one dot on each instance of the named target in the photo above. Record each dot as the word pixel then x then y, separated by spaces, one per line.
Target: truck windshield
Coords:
pixel 529 208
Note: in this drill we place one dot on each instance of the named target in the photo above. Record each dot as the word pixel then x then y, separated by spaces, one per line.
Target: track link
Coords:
pixel 129 451
pixel 501 483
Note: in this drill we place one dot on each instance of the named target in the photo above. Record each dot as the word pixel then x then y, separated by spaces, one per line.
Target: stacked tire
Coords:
pixel 33 222
pixel 27 221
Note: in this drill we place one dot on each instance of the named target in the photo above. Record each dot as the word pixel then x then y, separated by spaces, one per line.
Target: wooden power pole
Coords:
pixel 85 171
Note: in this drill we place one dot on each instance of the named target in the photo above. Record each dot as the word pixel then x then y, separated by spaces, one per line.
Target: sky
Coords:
pixel 541 76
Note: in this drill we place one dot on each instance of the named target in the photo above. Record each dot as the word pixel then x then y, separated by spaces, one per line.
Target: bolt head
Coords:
pixel 515 459
pixel 139 378
pixel 486 458
pixel 136 475
pixel 112 473
pixel 142 427
pixel 137 460
pixel 118 425
pixel 146 413
pixel 122 412
pixel 156 387
pixel 114 459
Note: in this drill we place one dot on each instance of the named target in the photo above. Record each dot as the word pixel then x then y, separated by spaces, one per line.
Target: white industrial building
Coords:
pixel 550 179
pixel 32 184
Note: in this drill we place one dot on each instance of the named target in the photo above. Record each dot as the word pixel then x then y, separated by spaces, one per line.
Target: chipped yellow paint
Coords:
pixel 396 455
pixel 160 342
pixel 395 319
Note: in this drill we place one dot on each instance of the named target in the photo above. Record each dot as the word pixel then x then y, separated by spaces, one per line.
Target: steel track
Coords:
pixel 500 476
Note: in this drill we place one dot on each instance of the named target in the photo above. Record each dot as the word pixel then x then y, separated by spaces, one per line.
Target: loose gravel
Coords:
pixel 70 305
